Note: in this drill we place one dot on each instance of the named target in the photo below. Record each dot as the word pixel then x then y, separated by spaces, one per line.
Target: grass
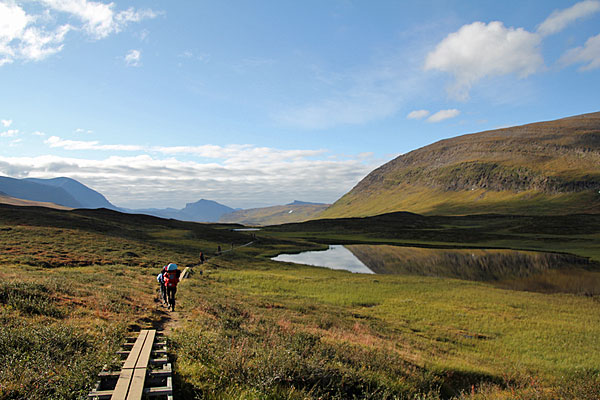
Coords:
pixel 443 335
pixel 74 283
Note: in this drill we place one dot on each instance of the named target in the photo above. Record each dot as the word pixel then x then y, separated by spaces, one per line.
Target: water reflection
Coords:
pixel 336 257
pixel 471 264
pixel 511 269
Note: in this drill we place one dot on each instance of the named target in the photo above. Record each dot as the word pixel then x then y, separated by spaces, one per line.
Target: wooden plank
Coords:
pixel 135 351
pixel 158 391
pixel 122 388
pixel 136 389
pixel 100 394
pixel 146 350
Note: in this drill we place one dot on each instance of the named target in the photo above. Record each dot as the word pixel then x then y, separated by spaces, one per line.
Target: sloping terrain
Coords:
pixel 20 202
pixel 541 168
pixel 27 190
pixel 294 212
pixel 88 198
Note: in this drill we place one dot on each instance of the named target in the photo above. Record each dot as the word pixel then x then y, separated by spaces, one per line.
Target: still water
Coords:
pixel 336 257
pixel 521 270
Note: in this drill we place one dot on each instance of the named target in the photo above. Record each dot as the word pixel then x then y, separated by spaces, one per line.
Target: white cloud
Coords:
pixel 56 142
pixel 99 19
pixel 9 133
pixel 132 59
pixel 588 54
pixel 38 133
pixel 559 19
pixel 239 176
pixel 33 37
pixel 417 114
pixel 20 40
pixel 81 131
pixel 443 114
pixel 480 50
pixel 6 122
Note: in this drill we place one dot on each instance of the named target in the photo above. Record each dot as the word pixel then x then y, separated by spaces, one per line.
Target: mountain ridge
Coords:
pixel 298 211
pixel 543 167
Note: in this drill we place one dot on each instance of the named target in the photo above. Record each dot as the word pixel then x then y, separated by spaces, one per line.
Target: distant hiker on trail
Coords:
pixel 171 277
pixel 219 250
pixel 163 290
pixel 201 258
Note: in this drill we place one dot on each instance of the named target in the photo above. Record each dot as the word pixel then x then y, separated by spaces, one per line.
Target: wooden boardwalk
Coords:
pixel 141 374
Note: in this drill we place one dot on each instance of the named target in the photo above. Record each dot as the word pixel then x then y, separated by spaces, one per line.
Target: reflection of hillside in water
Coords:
pixel 476 264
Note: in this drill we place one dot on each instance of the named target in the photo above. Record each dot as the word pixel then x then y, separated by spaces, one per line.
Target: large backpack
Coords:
pixel 171 278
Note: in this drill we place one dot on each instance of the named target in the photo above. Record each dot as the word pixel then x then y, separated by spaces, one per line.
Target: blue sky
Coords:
pixel 255 103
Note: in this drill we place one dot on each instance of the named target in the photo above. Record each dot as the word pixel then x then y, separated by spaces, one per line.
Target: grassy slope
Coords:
pixel 543 168
pixel 274 215
pixel 72 283
pixel 20 202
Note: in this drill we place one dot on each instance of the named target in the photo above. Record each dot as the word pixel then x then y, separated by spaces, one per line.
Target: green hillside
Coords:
pixel 541 168
pixel 274 215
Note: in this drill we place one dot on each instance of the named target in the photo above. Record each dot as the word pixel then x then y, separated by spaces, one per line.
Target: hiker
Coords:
pixel 219 250
pixel 163 290
pixel 201 258
pixel 171 277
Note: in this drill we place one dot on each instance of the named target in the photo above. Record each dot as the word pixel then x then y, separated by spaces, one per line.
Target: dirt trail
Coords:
pixel 172 320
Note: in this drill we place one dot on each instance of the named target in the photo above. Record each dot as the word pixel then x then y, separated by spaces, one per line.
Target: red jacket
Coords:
pixel 171 278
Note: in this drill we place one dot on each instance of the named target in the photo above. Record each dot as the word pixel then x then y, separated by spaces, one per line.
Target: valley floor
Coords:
pixel 72 286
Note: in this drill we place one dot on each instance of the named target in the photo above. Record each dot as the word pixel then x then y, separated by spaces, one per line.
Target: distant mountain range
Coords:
pixel 61 191
pixel 67 193
pixel 541 168
pixel 200 211
pixel 298 211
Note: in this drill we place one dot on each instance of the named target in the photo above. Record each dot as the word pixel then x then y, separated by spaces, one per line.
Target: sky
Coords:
pixel 257 103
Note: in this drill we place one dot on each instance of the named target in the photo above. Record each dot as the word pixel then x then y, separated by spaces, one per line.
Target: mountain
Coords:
pixel 89 198
pixel 548 167
pixel 200 211
pixel 30 190
pixel 297 211
pixel 206 210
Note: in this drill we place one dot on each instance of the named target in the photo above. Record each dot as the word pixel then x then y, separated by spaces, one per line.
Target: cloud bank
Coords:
pixel 236 175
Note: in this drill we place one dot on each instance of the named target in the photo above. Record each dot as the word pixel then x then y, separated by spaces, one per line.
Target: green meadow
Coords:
pixel 73 284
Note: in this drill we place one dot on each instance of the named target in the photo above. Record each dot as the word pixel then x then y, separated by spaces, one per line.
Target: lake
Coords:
pixel 336 257
pixel 513 269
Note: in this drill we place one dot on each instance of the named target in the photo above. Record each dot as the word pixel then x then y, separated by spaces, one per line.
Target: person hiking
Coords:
pixel 171 277
pixel 202 259
pixel 163 290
